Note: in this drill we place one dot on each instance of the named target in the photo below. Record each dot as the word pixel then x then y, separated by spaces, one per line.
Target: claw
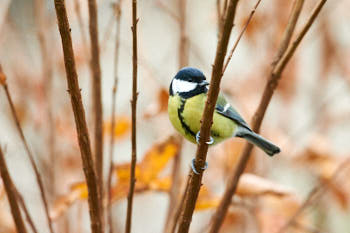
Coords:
pixel 208 143
pixel 194 168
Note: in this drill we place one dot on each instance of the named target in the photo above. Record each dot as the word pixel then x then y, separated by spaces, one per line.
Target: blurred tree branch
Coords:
pixel 117 10
pixel 26 146
pixel 11 194
pixel 79 116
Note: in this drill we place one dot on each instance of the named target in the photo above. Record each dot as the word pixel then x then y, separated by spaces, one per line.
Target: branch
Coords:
pixel 275 75
pixel 117 12
pixel 11 195
pixel 47 73
pixel 133 117
pixel 97 96
pixel 25 210
pixel 79 116
pixel 183 51
pixel 26 147
pixel 240 36
pixel 202 149
pixel 314 195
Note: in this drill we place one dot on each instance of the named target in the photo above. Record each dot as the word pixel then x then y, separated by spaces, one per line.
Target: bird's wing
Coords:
pixel 224 108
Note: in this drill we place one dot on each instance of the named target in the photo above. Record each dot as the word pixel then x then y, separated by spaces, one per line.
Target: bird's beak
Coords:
pixel 204 83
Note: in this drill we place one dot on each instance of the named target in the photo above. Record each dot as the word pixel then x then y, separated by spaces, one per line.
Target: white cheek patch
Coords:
pixel 183 86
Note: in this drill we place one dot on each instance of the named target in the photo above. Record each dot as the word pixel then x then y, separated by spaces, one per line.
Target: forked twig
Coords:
pixel 11 194
pixel 26 147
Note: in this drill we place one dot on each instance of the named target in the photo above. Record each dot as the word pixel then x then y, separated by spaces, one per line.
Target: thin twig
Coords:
pixel 183 52
pixel 275 75
pixel 240 36
pixel 11 195
pixel 28 151
pixel 133 117
pixel 79 116
pixel 314 195
pixel 25 210
pixel 179 206
pixel 47 74
pixel 117 12
pixel 202 149
pixel 97 97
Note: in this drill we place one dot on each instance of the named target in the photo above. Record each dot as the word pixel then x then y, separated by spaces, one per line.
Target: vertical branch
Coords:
pixel 275 75
pixel 183 61
pixel 26 147
pixel 133 116
pixel 11 194
pixel 117 12
pixel 79 116
pixel 47 72
pixel 183 41
pixel 202 149
pixel 97 95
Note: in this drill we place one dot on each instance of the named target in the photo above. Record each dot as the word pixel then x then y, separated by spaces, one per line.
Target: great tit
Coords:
pixel 187 97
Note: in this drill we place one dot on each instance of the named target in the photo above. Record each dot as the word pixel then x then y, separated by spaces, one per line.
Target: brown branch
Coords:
pixel 11 195
pixel 314 195
pixel 117 12
pixel 133 117
pixel 202 149
pixel 240 36
pixel 275 75
pixel 97 97
pixel 26 147
pixel 79 116
pixel 25 210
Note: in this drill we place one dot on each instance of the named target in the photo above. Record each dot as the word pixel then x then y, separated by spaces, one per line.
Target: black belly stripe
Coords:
pixel 184 125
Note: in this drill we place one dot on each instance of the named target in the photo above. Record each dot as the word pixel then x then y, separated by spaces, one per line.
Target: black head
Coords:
pixel 188 82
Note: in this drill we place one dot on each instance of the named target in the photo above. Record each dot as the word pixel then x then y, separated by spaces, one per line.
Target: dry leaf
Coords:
pixel 206 200
pixel 252 185
pixel 146 173
pixel 122 126
pixel 318 157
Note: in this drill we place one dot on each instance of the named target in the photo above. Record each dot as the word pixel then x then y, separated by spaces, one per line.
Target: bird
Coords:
pixel 188 93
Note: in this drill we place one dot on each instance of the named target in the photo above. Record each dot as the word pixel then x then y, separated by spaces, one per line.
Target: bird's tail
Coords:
pixel 259 141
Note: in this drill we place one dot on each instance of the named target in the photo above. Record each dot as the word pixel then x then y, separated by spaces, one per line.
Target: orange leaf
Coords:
pixel 81 189
pixel 122 126
pixel 206 200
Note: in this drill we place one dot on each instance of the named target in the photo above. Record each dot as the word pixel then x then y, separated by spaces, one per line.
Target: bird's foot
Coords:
pixel 208 143
pixel 194 168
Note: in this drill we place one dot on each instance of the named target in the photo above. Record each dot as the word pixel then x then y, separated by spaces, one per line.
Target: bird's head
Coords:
pixel 188 82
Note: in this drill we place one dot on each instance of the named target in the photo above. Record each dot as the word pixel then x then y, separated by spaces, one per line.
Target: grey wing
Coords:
pixel 224 108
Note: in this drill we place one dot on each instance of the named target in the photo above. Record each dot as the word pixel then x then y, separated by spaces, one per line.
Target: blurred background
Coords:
pixel 308 117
